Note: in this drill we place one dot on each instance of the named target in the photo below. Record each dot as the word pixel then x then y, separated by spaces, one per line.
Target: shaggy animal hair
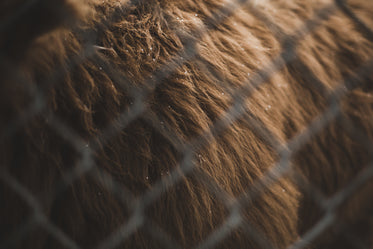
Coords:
pixel 70 68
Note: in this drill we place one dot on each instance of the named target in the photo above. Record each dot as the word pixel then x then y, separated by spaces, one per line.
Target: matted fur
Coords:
pixel 132 41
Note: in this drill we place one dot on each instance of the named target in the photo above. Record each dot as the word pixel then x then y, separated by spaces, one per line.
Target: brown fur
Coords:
pixel 85 91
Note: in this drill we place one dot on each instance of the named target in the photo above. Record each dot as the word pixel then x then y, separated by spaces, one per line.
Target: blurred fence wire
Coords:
pixel 189 151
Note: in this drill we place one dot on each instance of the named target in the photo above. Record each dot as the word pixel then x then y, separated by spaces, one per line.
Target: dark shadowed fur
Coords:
pixel 89 60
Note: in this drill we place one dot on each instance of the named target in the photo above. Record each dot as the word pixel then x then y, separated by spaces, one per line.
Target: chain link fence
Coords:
pixel 48 146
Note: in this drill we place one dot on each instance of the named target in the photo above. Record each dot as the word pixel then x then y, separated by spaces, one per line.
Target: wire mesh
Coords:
pixel 47 211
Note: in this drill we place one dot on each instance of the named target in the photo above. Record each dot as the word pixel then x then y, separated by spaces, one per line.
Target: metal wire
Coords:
pixel 189 150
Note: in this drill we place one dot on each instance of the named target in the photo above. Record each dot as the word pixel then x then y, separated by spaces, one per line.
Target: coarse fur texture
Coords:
pixel 88 61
